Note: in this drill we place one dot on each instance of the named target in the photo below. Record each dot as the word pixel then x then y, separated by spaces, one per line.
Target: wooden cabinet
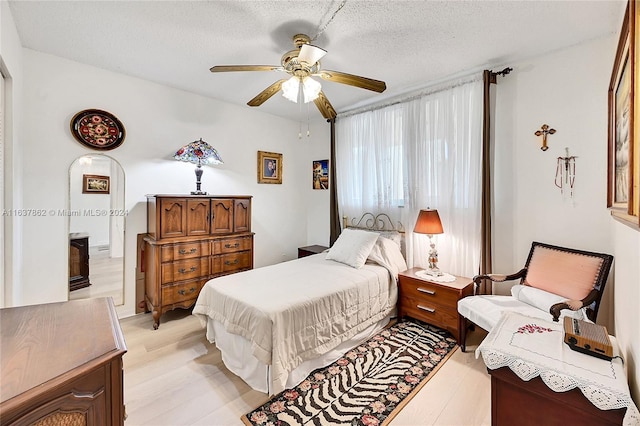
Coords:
pixel 432 302
pixel 78 261
pixel 190 240
pixel 61 364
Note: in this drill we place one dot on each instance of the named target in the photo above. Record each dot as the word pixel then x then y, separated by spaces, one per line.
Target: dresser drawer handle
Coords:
pixel 235 262
pixel 183 251
pixel 424 290
pixel 236 245
pixel 183 291
pixel 424 308
pixel 184 271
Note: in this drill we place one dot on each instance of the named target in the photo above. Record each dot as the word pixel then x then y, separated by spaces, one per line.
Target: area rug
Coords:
pixel 368 386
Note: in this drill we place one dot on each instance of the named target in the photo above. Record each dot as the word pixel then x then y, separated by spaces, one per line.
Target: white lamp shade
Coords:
pixel 310 89
pixel 310 54
pixel 290 89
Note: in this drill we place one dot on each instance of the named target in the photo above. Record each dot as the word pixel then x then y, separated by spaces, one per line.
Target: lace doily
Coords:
pixel 444 278
pixel 533 347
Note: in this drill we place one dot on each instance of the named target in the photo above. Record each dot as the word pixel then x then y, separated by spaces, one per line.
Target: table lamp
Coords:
pixel 198 152
pixel 428 222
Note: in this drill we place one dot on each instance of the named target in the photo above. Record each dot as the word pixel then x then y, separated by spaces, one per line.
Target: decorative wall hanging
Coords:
pixel 566 173
pixel 97 129
pixel 544 131
pixel 321 174
pixel 623 180
pixel 269 167
pixel 95 184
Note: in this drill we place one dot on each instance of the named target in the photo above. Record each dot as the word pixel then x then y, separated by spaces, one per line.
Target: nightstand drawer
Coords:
pixel 431 313
pixel 428 292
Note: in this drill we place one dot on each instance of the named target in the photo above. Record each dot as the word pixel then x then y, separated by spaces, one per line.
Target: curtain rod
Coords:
pixel 435 88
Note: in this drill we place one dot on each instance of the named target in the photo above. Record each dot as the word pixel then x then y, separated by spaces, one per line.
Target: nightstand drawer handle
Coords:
pixel 424 308
pixel 236 245
pixel 184 271
pixel 424 290
pixel 183 291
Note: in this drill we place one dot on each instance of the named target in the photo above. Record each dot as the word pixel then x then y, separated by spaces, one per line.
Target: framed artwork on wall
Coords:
pixel 623 180
pixel 269 167
pixel 321 174
pixel 95 184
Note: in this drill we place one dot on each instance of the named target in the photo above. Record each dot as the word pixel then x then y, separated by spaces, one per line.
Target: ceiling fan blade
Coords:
pixel 325 107
pixel 266 93
pixel 353 80
pixel 310 54
pixel 226 68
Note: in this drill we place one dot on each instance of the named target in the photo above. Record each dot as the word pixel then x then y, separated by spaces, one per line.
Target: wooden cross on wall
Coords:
pixel 544 131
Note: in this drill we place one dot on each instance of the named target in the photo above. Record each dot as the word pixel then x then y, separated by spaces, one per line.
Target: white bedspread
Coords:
pixel 297 310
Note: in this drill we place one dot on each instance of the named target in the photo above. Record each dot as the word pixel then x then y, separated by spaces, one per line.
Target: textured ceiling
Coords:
pixel 407 44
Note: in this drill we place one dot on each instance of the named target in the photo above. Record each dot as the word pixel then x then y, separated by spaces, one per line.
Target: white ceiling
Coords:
pixel 407 44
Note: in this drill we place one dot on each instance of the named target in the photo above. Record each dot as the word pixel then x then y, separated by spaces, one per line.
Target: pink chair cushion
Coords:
pixel 571 275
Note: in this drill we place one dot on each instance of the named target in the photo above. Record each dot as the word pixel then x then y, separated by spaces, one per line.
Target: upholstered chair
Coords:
pixel 555 282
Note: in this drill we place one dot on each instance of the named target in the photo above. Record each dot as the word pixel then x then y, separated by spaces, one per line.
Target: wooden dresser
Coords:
pixel 78 261
pixel 191 239
pixel 61 363
pixel 432 302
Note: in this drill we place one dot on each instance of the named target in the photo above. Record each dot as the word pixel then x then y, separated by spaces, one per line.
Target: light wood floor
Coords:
pixel 175 377
pixel 106 278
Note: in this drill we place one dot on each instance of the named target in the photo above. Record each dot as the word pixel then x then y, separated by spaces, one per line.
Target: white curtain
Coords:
pixel 425 152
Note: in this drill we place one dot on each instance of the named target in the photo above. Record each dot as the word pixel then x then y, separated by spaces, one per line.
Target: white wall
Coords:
pixel 11 67
pixel 567 90
pixel 158 121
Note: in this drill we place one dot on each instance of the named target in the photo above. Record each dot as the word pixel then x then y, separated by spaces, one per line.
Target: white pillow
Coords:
pixel 385 252
pixel 543 300
pixel 352 247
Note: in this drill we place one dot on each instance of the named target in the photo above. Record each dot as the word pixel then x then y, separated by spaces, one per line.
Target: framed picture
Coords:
pixel 623 194
pixel 97 129
pixel 321 174
pixel 95 184
pixel 269 167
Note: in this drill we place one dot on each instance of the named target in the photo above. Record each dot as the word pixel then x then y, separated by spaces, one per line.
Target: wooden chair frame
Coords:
pixel 591 301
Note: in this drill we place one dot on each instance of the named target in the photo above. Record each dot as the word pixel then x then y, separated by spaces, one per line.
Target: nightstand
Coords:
pixel 433 302
pixel 309 250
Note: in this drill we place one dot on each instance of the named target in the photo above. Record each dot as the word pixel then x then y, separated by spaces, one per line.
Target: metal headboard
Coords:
pixel 371 222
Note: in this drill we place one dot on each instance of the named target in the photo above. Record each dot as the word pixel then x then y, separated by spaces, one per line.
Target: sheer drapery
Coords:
pixel 422 153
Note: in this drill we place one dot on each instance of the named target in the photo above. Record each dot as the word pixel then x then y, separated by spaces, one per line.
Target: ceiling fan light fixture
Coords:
pixel 310 54
pixel 290 89
pixel 310 89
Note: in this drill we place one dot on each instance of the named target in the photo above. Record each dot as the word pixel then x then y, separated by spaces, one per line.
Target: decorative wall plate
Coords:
pixel 97 129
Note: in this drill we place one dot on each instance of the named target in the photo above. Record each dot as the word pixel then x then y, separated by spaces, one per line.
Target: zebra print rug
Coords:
pixel 368 386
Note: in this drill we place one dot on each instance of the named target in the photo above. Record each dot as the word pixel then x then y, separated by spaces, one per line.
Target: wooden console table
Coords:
pixel 537 380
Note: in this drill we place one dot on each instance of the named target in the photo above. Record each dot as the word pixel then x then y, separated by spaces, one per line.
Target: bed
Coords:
pixel 276 324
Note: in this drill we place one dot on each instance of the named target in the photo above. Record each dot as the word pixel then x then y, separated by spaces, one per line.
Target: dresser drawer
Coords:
pixel 428 292
pixel 185 269
pixel 231 262
pixel 172 252
pixel 179 292
pixel 231 245
pixel 432 313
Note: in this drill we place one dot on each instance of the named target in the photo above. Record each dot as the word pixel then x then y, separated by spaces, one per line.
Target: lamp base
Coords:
pixel 198 193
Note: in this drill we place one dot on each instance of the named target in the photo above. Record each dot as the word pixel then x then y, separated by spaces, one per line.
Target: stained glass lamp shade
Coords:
pixel 198 152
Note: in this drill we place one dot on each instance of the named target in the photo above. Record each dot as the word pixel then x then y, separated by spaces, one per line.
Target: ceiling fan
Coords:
pixel 301 64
